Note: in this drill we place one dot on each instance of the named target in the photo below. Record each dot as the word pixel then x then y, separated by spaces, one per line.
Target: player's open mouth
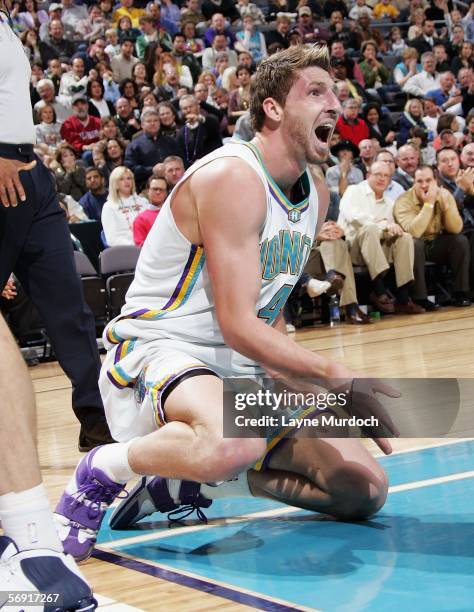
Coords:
pixel 323 132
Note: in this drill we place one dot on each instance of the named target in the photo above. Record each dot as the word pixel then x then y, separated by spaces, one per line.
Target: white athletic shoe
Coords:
pixel 315 287
pixel 52 578
pixel 290 328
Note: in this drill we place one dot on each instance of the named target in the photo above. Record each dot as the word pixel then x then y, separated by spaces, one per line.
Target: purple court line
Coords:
pixel 255 601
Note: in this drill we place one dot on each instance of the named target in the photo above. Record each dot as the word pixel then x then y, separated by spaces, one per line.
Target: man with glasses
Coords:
pixel 157 193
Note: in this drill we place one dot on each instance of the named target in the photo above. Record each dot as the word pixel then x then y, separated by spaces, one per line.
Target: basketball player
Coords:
pixel 206 302
pixel 31 553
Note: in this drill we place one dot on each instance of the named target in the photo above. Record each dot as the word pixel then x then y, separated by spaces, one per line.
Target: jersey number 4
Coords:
pixel 271 311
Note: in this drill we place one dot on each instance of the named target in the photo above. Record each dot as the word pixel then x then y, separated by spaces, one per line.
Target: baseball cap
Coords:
pixel 78 97
pixel 54 7
pixel 305 10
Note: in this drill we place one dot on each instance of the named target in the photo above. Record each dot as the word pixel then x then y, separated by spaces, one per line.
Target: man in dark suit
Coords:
pixel 427 39
pixel 149 149
pixel 200 135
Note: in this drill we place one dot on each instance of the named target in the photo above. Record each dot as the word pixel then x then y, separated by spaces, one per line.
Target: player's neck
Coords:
pixel 284 168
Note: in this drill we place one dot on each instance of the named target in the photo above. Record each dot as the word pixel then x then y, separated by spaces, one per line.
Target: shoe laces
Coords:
pixel 96 493
pixel 177 516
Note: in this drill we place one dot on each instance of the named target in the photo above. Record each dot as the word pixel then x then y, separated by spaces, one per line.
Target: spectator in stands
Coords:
pixel 431 216
pixel 447 96
pixel 349 126
pixel 166 89
pixel 61 105
pixel 465 57
pixel 200 135
pixel 173 170
pixel 251 40
pixel 121 208
pixel 375 73
pixel 456 40
pixel 419 138
pixel 123 63
pixel 408 159
pixel 385 9
pixel 427 39
pixel 380 126
pixel 225 8
pixel 397 42
pixel 344 173
pixel 169 62
pixel 239 99
pixel 427 80
pixel 113 152
pixel 81 130
pixel 412 117
pixel 57 46
pixel 407 68
pixel 193 44
pixel 157 192
pixel 219 45
pixel 125 29
pixel 112 48
pixel 48 131
pixel 360 8
pixel 431 114
pixel 364 32
pixel 29 17
pixel 75 80
pixel 29 40
pixel 449 132
pixel 54 73
pixel 95 197
pixel 184 58
pixel 375 240
pixel 355 90
pixel 126 119
pixel 191 13
pixel 149 35
pixel 168 119
pixel 55 11
pixel 279 34
pixel 366 156
pixel 467 156
pixel 126 8
pixel 94 25
pixel 68 173
pixel 140 76
pixel 394 189
pixel 149 149
pixel 353 71
pixel 443 63
pixel 460 183
pixel 206 102
pixel 170 13
pixel 249 8
pixel 308 30
pixel 330 6
pixel 466 84
pixel 218 26
pixel 416 20
pixel 129 90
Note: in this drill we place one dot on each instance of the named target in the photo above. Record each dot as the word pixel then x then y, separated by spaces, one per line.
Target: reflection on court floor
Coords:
pixel 416 554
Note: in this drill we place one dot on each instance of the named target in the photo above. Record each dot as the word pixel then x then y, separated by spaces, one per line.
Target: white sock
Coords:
pixel 230 488
pixel 27 519
pixel 112 459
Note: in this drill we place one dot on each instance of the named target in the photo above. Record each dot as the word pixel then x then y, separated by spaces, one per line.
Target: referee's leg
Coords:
pixel 45 267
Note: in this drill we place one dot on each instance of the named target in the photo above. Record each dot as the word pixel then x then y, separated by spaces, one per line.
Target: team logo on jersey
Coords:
pixel 294 216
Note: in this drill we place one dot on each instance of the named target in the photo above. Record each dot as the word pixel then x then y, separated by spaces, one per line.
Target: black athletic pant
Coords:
pixel 35 244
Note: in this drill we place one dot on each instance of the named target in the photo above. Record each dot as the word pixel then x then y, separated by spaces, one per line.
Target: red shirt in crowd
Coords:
pixel 355 132
pixel 77 134
pixel 142 225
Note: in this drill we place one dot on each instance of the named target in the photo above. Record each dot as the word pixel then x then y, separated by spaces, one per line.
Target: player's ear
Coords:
pixel 272 109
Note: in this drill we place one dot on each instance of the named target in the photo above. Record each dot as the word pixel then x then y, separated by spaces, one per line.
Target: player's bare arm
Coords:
pixel 229 229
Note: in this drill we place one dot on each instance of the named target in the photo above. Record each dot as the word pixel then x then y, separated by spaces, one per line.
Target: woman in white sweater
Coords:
pixel 121 208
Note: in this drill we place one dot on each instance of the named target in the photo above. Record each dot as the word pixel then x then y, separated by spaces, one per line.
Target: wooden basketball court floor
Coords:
pixel 417 553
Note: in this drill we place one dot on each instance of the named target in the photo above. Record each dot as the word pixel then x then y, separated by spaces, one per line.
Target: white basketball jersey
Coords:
pixel 171 295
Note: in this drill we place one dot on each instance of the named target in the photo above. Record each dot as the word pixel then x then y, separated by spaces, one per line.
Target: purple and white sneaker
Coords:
pixel 178 498
pixel 82 507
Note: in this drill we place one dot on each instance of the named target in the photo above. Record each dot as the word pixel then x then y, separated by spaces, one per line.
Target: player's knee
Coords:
pixel 359 493
pixel 230 457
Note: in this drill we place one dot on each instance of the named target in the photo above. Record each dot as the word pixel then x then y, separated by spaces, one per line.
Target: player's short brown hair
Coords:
pixel 276 75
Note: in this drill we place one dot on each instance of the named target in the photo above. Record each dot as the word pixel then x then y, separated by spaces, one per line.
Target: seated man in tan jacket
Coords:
pixel 430 214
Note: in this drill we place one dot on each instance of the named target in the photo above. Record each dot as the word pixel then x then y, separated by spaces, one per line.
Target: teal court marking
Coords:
pixel 417 553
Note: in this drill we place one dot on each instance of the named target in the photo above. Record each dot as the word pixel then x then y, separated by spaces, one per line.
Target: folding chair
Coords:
pixel 117 267
pixel 93 287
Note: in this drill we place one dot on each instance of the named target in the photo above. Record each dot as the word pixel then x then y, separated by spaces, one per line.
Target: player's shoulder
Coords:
pixel 228 171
